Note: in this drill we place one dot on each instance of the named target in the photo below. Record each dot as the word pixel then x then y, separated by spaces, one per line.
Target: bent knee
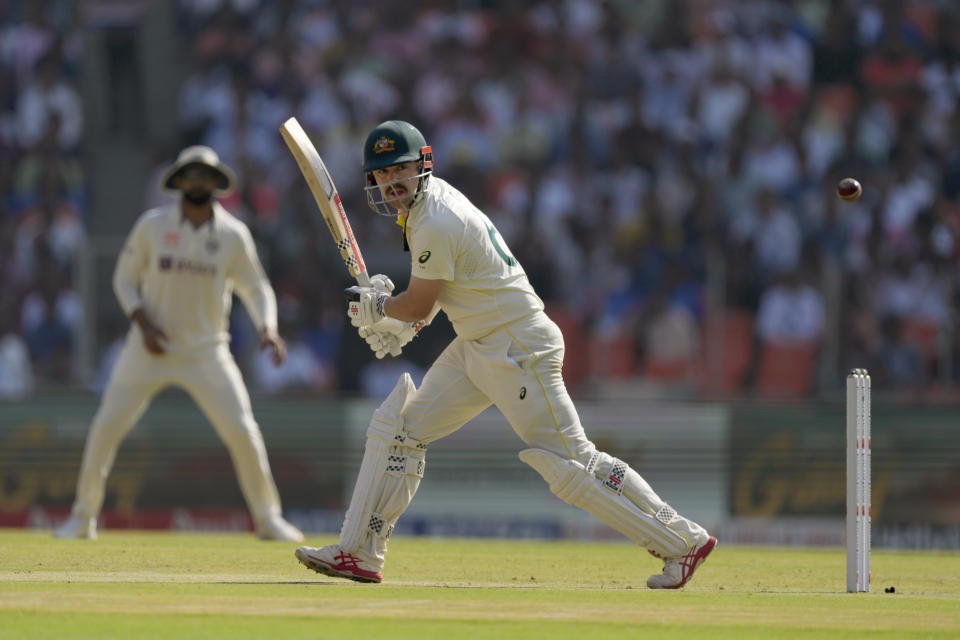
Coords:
pixel 582 454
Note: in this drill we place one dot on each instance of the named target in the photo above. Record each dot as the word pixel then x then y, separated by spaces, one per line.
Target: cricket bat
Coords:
pixel 327 197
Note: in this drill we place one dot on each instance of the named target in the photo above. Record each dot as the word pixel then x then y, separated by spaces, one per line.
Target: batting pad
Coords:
pixel 390 473
pixel 610 490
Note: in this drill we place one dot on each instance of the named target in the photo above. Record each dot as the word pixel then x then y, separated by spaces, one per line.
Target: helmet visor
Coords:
pixel 397 196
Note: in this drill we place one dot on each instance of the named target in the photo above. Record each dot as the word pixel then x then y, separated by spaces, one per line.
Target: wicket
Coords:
pixel 859 511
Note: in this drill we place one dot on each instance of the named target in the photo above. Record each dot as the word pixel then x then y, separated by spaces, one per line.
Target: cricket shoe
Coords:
pixel 276 528
pixel 332 561
pixel 678 571
pixel 77 527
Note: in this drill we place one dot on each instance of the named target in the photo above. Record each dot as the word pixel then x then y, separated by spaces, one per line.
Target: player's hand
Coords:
pixel 153 337
pixel 404 331
pixel 272 340
pixel 382 283
pixel 381 343
pixel 389 336
pixel 365 305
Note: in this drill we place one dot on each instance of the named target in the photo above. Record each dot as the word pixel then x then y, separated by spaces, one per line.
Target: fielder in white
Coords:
pixel 507 352
pixel 175 279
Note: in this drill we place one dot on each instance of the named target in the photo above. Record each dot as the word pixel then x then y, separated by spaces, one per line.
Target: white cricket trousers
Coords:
pixel 212 379
pixel 518 369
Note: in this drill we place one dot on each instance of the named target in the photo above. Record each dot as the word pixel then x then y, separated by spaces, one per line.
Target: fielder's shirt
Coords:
pixel 184 277
pixel 450 239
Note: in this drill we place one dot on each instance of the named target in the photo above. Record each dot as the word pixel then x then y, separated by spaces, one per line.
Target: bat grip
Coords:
pixel 363 278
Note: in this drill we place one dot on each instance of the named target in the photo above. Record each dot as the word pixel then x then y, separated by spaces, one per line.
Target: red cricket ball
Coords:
pixel 849 189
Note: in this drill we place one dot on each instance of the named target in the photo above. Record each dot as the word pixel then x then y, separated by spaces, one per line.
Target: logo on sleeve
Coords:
pixel 523 392
pixel 509 259
pixel 424 257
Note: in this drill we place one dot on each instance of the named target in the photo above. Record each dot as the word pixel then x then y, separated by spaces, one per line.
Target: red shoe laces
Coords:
pixel 348 560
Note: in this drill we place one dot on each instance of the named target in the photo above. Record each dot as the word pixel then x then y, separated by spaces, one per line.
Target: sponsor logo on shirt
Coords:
pixel 183 265
pixel 171 239
pixel 195 268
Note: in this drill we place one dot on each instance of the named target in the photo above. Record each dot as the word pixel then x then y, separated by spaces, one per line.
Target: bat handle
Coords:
pixel 363 278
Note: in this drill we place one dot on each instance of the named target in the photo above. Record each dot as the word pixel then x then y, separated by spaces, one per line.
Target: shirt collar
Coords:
pixel 403 217
pixel 209 221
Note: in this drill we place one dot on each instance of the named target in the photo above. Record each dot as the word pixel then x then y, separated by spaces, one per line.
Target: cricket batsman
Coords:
pixel 507 352
pixel 175 278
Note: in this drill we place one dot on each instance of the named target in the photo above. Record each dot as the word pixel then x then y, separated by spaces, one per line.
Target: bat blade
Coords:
pixel 328 199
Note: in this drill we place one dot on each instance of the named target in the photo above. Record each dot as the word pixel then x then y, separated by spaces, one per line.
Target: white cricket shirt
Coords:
pixel 184 277
pixel 450 239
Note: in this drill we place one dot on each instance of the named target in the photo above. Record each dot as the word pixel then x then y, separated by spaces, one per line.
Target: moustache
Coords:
pixel 197 197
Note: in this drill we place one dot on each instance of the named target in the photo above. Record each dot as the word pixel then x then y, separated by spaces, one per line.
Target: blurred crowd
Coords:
pixel 43 192
pixel 664 170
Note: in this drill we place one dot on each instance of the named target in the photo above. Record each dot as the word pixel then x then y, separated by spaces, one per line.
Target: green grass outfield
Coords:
pixel 163 585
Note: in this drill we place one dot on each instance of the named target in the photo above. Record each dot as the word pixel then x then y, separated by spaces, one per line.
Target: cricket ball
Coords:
pixel 849 189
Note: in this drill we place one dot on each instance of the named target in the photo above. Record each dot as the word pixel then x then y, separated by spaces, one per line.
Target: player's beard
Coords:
pixel 198 196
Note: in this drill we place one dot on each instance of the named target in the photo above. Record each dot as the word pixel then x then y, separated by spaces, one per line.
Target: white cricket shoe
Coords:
pixel 332 561
pixel 678 571
pixel 77 527
pixel 276 528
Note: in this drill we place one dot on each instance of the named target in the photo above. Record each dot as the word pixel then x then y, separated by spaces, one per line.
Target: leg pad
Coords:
pixel 610 490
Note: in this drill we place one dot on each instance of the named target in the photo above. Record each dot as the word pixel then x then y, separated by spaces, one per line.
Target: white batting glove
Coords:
pixel 382 283
pixel 389 336
pixel 381 344
pixel 365 305
pixel 404 331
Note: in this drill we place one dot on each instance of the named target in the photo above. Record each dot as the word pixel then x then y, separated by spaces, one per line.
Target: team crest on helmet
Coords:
pixel 384 145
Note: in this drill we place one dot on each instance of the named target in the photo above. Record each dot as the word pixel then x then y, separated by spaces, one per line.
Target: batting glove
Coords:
pixel 390 335
pixel 382 283
pixel 381 344
pixel 365 305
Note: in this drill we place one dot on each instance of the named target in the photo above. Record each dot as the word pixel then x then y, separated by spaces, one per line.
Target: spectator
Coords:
pixel 910 289
pixel 584 128
pixel 16 372
pixel 49 317
pixel 49 101
pixel 790 311
pixel 773 233
pixel 302 371
pixel 901 364
pixel 670 334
